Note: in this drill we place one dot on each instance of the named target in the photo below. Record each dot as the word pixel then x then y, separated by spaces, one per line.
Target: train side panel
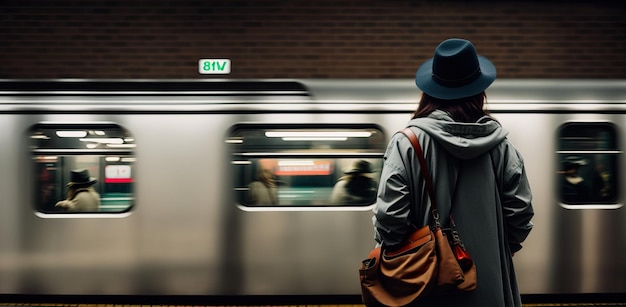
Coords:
pixel 187 231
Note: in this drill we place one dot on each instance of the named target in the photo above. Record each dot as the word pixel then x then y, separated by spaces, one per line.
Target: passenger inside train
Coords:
pixel 585 182
pixel 263 190
pixel 574 188
pixel 81 196
pixel 356 187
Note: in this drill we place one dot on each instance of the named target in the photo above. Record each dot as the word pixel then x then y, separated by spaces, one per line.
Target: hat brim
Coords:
pixel 92 180
pixel 425 82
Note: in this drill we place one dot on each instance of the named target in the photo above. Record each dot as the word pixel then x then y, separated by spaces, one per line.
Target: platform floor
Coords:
pixel 343 305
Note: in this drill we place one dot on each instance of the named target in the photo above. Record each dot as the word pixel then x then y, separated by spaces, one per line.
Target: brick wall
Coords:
pixel 305 39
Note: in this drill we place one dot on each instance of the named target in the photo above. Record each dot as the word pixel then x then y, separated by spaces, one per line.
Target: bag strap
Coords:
pixel 424 169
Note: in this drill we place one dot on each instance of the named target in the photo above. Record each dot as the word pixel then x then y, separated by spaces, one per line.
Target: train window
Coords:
pixel 305 166
pixel 588 155
pixel 82 168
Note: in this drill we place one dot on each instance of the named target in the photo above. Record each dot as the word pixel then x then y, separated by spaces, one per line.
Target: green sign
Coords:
pixel 214 66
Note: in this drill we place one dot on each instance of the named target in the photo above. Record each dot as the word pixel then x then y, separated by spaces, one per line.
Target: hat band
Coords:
pixel 457 82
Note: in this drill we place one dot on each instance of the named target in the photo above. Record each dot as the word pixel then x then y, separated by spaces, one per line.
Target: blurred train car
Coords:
pixel 175 162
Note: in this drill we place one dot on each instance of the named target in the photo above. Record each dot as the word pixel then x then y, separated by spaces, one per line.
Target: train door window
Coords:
pixel 82 168
pixel 588 156
pixel 304 166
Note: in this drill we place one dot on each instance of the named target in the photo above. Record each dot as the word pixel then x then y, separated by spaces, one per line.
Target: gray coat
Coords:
pixel 491 203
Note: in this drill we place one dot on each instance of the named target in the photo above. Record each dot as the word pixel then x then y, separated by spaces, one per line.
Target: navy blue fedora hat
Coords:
pixel 455 71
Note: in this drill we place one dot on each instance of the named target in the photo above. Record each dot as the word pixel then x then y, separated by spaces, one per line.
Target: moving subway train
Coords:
pixel 226 187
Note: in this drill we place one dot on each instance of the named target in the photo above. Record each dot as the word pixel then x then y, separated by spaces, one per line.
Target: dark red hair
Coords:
pixel 467 109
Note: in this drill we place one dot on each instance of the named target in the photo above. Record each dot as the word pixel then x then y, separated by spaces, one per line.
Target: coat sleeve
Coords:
pixel 67 205
pixel 391 212
pixel 83 201
pixel 516 199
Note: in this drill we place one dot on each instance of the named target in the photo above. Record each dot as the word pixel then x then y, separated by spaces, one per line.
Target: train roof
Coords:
pixel 345 95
